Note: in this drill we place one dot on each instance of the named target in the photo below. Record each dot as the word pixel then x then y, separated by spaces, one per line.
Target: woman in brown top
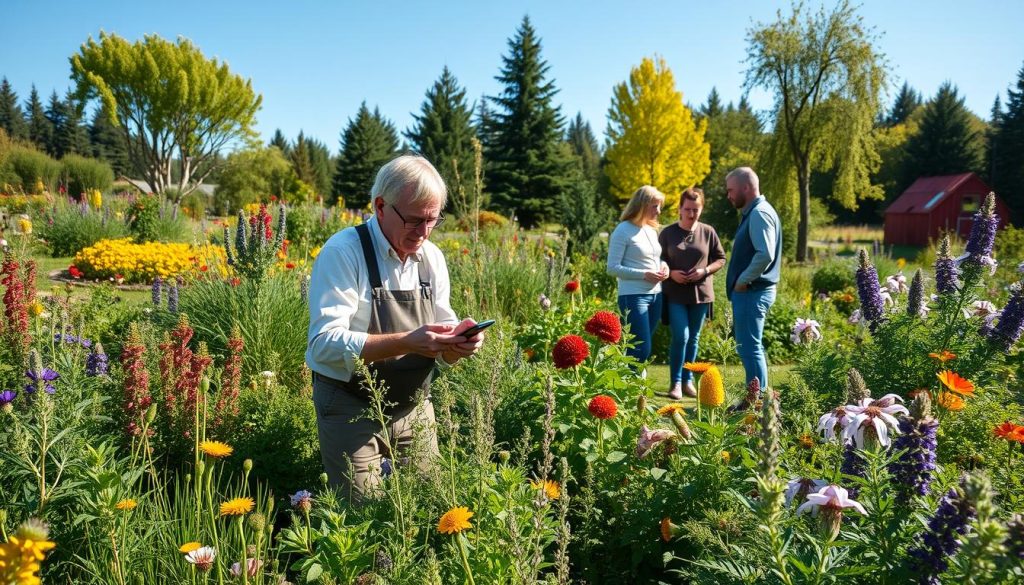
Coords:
pixel 693 253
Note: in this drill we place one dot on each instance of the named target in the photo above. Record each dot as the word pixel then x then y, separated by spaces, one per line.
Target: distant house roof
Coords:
pixel 926 193
pixel 206 188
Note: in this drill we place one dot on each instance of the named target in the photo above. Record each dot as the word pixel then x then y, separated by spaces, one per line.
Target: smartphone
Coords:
pixel 472 331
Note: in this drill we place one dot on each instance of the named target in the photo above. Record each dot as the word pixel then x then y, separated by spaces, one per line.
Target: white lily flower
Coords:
pixel 805 330
pixel 798 488
pixel 897 283
pixel 983 309
pixel 886 297
pixel 874 414
pixel 830 420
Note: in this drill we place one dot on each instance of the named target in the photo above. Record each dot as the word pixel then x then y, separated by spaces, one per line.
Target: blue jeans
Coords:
pixel 749 310
pixel 686 322
pixel 641 313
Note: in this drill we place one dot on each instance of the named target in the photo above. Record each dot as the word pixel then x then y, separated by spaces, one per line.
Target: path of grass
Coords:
pixel 657 374
pixel 45 265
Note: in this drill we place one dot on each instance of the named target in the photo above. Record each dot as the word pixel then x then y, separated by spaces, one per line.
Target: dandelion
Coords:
pixel 830 501
pixel 189 547
pixel 873 419
pixel 569 352
pixel 126 504
pixel 237 507
pixel 955 383
pixel 216 449
pixel 21 555
pixel 649 439
pixel 455 521
pixel 552 490
pixel 798 488
pixel 605 326
pixel 603 407
pixel 726 457
pixel 805 331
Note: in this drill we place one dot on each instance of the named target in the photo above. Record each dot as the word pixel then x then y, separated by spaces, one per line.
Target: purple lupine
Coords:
pixel 853 464
pixel 983 231
pixel 45 376
pixel 915 298
pixel 6 398
pixel 172 298
pixel 946 279
pixel 871 305
pixel 157 285
pixel 913 470
pixel 931 558
pixel 1011 322
pixel 227 246
pixel 96 362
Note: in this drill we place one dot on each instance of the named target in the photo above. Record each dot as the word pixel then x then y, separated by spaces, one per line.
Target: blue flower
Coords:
pixel 302 500
pixel 7 397
pixel 46 376
pixel 868 289
pixel 913 470
pixel 96 364
pixel 940 541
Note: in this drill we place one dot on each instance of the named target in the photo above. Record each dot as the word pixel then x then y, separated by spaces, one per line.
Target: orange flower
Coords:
pixel 951 401
pixel 666 529
pixel 943 356
pixel 1017 435
pixel 1004 430
pixel 699 367
pixel 954 382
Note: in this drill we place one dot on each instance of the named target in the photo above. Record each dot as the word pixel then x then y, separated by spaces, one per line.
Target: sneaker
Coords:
pixel 690 390
pixel 676 393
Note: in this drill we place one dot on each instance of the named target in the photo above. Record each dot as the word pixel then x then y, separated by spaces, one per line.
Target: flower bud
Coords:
pixel 247 465
pixel 681 426
pixel 641 404
pixel 504 456
pixel 200 468
pixel 323 478
pixel 150 414
pixel 257 522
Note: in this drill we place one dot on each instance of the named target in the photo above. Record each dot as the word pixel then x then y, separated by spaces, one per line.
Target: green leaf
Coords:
pixel 615 456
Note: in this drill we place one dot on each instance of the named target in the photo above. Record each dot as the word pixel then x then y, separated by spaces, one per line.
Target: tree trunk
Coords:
pixel 803 227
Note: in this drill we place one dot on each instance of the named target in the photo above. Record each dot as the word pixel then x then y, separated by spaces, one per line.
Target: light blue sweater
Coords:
pixel 633 251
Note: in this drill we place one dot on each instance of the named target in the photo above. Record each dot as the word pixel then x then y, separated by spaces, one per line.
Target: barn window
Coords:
pixel 969 204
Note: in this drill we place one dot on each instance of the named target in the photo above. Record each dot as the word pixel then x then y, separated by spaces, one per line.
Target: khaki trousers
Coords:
pixel 347 437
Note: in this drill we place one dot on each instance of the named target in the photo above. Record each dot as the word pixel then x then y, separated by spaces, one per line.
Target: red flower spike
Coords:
pixel 603 407
pixel 569 352
pixel 605 326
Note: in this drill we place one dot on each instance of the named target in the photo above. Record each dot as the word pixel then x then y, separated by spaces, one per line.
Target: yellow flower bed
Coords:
pixel 144 262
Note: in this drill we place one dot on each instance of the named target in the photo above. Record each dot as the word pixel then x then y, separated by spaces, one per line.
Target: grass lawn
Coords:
pixel 44 286
pixel 657 374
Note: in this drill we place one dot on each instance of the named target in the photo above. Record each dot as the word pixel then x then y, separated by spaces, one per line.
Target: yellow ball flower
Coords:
pixel 455 520
pixel 711 392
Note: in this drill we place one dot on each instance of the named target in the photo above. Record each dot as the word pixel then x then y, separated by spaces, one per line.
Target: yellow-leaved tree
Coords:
pixel 652 137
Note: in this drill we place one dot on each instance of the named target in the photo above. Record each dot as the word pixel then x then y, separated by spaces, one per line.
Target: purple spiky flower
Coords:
pixel 871 304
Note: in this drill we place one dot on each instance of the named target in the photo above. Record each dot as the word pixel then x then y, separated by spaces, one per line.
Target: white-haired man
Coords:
pixel 379 292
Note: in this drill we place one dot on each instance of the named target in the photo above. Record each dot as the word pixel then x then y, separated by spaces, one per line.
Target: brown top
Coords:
pixel 688 250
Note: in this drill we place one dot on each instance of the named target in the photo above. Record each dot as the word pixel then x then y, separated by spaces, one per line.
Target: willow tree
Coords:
pixel 828 81
pixel 652 136
pixel 176 108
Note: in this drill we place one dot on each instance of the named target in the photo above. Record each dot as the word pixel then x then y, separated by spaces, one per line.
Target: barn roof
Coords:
pixel 927 193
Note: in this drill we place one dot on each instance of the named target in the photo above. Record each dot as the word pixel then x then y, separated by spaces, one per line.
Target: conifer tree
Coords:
pixel 1008 151
pixel 323 166
pixel 528 166
pixel 40 131
pixel 584 146
pixel 652 136
pixel 12 120
pixel 301 161
pixel 280 142
pixel 906 102
pixel 108 142
pixel 70 136
pixel 948 141
pixel 57 115
pixel 444 132
pixel 367 142
pixel 713 107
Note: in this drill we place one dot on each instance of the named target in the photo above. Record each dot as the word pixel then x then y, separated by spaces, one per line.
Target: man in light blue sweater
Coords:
pixel 754 269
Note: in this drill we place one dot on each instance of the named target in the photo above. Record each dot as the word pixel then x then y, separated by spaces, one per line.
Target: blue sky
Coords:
pixel 314 62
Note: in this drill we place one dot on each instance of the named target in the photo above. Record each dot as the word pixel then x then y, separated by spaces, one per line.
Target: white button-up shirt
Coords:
pixel 340 296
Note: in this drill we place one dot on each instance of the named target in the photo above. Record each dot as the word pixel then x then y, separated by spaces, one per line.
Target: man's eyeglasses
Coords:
pixel 415 223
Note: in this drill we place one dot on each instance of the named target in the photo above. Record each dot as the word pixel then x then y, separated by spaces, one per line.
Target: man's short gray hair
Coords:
pixel 746 175
pixel 409 170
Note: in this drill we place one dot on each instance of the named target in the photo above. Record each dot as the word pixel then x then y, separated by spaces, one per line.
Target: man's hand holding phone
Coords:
pixel 473 333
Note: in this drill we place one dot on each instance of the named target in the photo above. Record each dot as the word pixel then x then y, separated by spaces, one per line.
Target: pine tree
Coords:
pixel 56 114
pixel 12 120
pixel 108 142
pixel 906 102
pixel 947 142
pixel 584 146
pixel 74 134
pixel 367 142
pixel 652 136
pixel 323 166
pixel 444 132
pixel 528 167
pixel 40 131
pixel 713 107
pixel 1008 151
pixel 280 142
pixel 301 161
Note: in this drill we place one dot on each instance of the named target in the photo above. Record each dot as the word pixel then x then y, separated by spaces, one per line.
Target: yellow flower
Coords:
pixel 21 555
pixel 900 263
pixel 551 488
pixel 36 309
pixel 126 504
pixel 668 409
pixel 711 392
pixel 699 367
pixel 189 547
pixel 726 457
pixel 314 252
pixel 951 401
pixel 455 520
pixel 24 225
pixel 237 507
pixel 216 449
pixel 95 198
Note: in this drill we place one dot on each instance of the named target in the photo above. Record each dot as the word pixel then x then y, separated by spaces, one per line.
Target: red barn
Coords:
pixel 933 205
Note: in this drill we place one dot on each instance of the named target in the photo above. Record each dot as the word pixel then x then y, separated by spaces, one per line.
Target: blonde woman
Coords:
pixel 634 259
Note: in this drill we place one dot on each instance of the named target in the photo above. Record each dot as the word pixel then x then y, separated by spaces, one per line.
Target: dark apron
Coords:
pixel 393 311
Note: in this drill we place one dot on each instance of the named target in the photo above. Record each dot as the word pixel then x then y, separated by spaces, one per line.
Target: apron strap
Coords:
pixel 369 254
pixel 424 271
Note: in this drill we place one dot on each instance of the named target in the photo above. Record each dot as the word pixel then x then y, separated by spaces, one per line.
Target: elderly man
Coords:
pixel 754 269
pixel 380 293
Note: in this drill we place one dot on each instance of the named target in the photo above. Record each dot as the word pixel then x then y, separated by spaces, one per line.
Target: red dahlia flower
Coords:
pixel 603 407
pixel 569 352
pixel 572 286
pixel 605 325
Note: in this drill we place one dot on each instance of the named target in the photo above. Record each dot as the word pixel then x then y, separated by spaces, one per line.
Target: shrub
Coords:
pixel 310 224
pixel 487 219
pixel 834 275
pixel 31 204
pixel 144 262
pixel 83 174
pixel 70 227
pixel 27 166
